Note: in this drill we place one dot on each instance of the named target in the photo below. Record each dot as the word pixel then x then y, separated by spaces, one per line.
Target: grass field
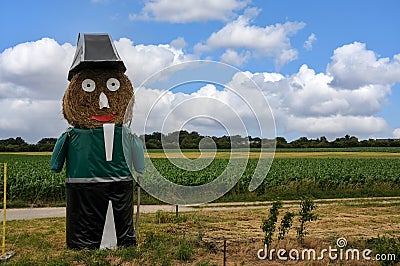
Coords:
pixel 329 174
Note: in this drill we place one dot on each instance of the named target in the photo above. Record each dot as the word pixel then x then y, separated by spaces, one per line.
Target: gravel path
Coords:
pixel 35 213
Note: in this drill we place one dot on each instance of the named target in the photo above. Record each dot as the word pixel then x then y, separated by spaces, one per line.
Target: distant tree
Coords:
pixel 268 143
pixel 302 142
pixel 323 143
pixel 51 141
pixel 154 135
pixel 281 142
pixel 208 143
pixel 187 143
pixel 182 135
pixel 153 144
pixel 191 140
pixel 222 142
pixel 11 141
pixel 20 141
pixel 346 142
pixel 323 139
pixel 256 139
pixel 171 138
pixel 255 142
pixel 395 143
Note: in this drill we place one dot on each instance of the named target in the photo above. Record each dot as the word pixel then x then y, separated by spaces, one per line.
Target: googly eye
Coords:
pixel 88 85
pixel 113 84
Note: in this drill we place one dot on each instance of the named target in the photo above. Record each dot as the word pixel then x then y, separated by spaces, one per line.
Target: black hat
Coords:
pixel 95 51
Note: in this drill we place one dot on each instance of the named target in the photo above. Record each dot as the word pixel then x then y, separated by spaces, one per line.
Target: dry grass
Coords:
pixel 42 241
pixel 355 222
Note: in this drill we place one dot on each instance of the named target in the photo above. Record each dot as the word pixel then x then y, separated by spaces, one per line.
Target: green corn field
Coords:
pixel 29 178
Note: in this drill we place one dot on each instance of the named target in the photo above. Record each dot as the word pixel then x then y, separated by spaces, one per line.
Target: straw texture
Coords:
pixel 79 106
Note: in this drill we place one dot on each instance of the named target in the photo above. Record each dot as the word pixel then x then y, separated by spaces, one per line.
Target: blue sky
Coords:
pixel 335 50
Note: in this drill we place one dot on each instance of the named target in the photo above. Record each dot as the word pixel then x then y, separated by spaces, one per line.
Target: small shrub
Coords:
pixel 306 215
pixel 268 225
pixel 285 225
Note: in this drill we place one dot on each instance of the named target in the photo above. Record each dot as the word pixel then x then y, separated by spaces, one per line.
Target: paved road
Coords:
pixel 34 213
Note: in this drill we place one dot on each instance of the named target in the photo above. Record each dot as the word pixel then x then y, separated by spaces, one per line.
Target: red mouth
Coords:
pixel 103 118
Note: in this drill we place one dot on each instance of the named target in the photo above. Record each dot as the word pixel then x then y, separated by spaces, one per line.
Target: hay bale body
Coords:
pixel 79 106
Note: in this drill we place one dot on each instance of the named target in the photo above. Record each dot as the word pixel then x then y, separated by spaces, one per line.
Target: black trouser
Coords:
pixel 87 205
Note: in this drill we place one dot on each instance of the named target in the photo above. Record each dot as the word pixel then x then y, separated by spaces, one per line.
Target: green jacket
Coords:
pixel 84 153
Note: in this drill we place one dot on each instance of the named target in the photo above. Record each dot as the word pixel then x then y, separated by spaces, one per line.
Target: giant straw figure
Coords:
pixel 94 104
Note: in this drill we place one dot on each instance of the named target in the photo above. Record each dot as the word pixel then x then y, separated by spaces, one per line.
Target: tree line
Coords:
pixel 185 140
pixel 192 140
pixel 20 145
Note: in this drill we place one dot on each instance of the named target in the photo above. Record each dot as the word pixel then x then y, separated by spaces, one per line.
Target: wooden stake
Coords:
pixel 224 252
pixel 3 245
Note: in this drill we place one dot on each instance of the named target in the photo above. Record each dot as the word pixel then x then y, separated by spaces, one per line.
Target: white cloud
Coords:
pixel 33 78
pixel 308 44
pixel 144 60
pixel 272 77
pixel 270 41
pixel 178 43
pixel 354 66
pixel 310 94
pixel 337 125
pixel 396 133
pixel 185 11
pixel 31 119
pixel 213 111
pixel 306 102
pixel 35 69
pixel 232 57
